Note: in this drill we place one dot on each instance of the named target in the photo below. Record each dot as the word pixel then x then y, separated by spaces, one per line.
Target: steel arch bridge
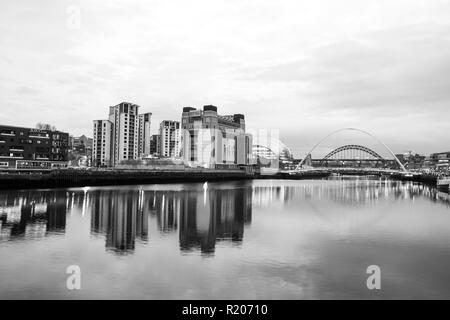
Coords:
pixel 354 156
pixel 351 151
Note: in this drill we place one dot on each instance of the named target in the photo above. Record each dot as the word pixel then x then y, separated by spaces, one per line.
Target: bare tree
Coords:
pixel 45 126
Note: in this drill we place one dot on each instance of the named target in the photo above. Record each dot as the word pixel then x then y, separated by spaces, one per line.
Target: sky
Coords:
pixel 303 68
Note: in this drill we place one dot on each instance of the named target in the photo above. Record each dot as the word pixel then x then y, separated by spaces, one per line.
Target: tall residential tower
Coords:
pixel 170 136
pixel 144 134
pixel 124 118
pixel 124 136
pixel 102 146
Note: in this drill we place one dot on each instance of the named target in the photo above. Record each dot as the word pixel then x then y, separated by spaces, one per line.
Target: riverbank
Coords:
pixel 427 179
pixel 81 178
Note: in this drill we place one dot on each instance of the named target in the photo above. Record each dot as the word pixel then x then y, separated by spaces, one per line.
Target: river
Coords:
pixel 262 239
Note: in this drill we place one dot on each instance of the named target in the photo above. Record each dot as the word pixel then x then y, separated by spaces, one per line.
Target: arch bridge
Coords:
pixel 353 152
pixel 352 156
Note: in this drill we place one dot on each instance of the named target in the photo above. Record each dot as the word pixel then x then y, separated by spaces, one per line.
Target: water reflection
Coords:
pixel 123 216
pixel 348 192
pixel 220 215
pixel 30 214
pixel 118 214
pixel 202 215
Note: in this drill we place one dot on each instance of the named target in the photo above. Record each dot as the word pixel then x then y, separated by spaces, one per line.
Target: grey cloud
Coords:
pixel 305 68
pixel 27 91
pixel 404 69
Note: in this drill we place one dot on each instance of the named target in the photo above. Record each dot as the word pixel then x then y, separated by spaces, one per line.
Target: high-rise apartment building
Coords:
pixel 102 147
pixel 209 139
pixel 124 136
pixel 144 134
pixel 125 120
pixel 170 138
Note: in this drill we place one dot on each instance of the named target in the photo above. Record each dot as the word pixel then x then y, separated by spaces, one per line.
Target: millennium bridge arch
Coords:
pixel 352 148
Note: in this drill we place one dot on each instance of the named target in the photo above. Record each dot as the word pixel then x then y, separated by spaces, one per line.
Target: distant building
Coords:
pixel 411 161
pixel 169 136
pixel 209 139
pixel 102 153
pixel 155 145
pixel 440 161
pixel 81 143
pixel 144 134
pixel 271 152
pixel 80 151
pixel 28 148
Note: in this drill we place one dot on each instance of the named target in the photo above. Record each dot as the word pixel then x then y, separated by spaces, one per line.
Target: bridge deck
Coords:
pixel 363 171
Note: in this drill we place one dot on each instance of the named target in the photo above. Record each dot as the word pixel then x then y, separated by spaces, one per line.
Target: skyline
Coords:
pixel 308 68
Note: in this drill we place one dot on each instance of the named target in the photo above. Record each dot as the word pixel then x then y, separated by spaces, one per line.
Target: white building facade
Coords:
pixel 102 143
pixel 125 120
pixel 170 139
pixel 124 136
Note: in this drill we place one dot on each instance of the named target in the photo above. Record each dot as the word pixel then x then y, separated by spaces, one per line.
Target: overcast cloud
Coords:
pixel 304 67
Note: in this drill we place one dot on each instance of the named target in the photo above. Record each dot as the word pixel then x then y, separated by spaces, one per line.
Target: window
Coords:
pixel 4 164
pixel 7 132
pixel 16 148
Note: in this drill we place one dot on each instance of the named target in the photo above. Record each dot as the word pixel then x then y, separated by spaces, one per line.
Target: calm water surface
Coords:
pixel 238 240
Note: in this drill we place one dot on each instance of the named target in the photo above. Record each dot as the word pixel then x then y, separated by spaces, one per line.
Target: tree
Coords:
pixel 45 126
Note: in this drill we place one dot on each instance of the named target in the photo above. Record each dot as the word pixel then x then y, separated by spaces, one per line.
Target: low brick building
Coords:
pixel 29 148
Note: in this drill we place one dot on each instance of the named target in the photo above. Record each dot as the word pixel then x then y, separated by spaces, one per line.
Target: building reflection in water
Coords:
pixel 202 217
pixel 119 215
pixel 348 192
pixel 165 205
pixel 215 215
pixel 30 214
